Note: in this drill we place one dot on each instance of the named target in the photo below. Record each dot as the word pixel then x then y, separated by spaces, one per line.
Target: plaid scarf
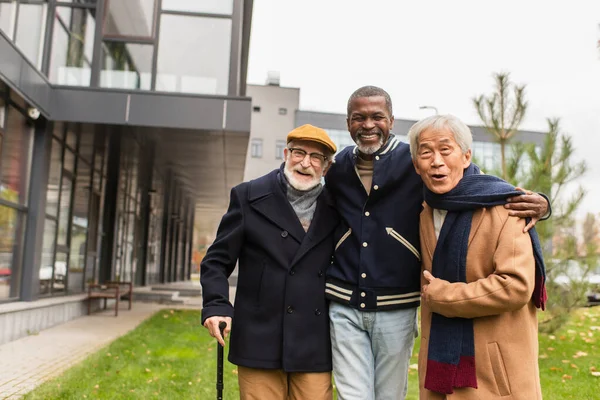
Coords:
pixel 451 358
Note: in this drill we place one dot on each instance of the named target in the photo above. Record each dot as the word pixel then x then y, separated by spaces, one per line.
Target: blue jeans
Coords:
pixel 371 352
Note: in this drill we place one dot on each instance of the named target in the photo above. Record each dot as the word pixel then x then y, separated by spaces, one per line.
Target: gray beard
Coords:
pixel 301 186
pixel 369 150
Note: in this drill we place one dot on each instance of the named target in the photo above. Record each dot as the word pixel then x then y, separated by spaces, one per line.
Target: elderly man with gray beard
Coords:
pixel 279 228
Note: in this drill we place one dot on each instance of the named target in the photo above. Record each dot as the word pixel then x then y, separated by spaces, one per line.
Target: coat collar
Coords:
pixel 268 198
pixel 428 230
pixel 323 223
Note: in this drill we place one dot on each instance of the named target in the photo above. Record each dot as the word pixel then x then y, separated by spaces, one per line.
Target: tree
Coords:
pixel 502 113
pixel 551 169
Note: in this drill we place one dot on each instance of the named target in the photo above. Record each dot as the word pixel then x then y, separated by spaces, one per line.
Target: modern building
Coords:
pixel 270 124
pixel 273 116
pixel 121 123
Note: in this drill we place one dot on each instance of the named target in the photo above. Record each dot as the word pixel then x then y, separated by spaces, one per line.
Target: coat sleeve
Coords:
pixel 220 260
pixel 508 288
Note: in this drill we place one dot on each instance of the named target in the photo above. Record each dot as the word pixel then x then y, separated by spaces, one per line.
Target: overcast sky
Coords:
pixel 440 53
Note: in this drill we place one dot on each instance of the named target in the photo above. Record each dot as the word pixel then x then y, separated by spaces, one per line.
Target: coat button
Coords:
pixel 375 187
pixel 284 234
pixel 320 274
pixel 292 271
pixel 317 312
pixel 290 310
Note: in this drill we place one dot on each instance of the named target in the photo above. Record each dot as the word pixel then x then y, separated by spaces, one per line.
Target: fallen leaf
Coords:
pixel 96 387
pixel 148 370
pixel 580 354
pixel 551 337
pixel 414 366
pixel 555 369
pixel 550 348
pixel 544 355
pixel 565 376
pixel 565 361
pixel 595 373
pixel 574 366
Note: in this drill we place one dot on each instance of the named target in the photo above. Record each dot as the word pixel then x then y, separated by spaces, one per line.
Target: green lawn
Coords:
pixel 171 356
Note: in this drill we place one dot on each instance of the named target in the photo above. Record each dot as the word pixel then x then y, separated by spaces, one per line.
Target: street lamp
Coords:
pixel 429 107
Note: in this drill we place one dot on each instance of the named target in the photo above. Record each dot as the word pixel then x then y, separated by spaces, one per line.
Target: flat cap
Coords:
pixel 312 134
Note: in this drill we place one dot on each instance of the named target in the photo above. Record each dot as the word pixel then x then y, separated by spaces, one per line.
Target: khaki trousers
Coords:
pixel 275 384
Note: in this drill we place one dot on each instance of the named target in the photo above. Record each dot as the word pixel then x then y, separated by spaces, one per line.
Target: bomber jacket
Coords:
pixel 376 263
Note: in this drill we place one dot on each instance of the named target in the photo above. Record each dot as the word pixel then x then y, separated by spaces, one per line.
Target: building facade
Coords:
pixel 121 123
pixel 269 130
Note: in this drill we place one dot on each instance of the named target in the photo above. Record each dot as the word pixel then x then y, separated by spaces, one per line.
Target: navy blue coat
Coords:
pixel 280 318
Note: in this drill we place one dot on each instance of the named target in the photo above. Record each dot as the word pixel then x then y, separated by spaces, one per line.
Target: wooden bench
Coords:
pixel 110 290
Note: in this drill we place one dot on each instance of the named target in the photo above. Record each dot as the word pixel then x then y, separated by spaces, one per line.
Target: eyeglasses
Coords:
pixel 316 159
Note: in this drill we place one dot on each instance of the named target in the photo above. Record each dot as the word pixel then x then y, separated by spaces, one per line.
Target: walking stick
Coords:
pixel 222 326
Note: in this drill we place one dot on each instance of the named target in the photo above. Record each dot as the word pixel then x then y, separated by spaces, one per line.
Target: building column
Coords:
pixel 36 216
pixel 109 218
pixel 165 237
pixel 148 172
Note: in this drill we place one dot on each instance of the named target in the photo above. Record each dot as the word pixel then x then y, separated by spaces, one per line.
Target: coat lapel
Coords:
pixel 324 221
pixel 269 200
pixel 428 230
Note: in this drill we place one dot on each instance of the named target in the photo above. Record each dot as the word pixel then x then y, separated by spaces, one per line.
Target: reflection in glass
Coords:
pixel 126 65
pixel 224 7
pixel 11 233
pixel 86 142
pixel 31 25
pixel 8 12
pixel 54 179
pixel 193 54
pixel 69 163
pixel 16 158
pixel 130 18
pixel 72 46
pixel 60 273
pixel 47 266
pixel 65 205
pixel 77 256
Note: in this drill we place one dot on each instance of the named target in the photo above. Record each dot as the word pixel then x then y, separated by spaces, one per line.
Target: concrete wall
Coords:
pixel 28 318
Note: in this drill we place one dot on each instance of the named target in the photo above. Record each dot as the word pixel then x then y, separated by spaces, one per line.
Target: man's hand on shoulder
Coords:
pixel 212 324
pixel 528 205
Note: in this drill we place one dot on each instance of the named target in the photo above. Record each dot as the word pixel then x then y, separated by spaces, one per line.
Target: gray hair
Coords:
pixel 462 133
pixel 370 91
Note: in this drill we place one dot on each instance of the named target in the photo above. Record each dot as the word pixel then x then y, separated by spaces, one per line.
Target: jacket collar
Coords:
pixel 390 145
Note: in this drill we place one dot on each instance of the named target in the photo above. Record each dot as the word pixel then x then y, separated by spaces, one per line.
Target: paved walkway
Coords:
pixel 28 362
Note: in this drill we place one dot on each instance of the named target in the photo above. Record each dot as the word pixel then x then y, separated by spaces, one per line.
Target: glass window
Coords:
pixel 71 137
pixel 47 265
pixel 54 179
pixel 31 26
pixel 279 146
pixel 72 46
pixel 65 207
pixel 193 54
pixel 16 158
pixel 86 143
pixel 60 273
pixel 11 235
pixel 130 18
pixel 69 163
pixel 2 110
pixel 224 7
pixel 256 147
pixel 126 65
pixel 8 12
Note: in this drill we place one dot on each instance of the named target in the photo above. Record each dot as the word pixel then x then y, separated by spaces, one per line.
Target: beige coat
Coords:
pixel 497 295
